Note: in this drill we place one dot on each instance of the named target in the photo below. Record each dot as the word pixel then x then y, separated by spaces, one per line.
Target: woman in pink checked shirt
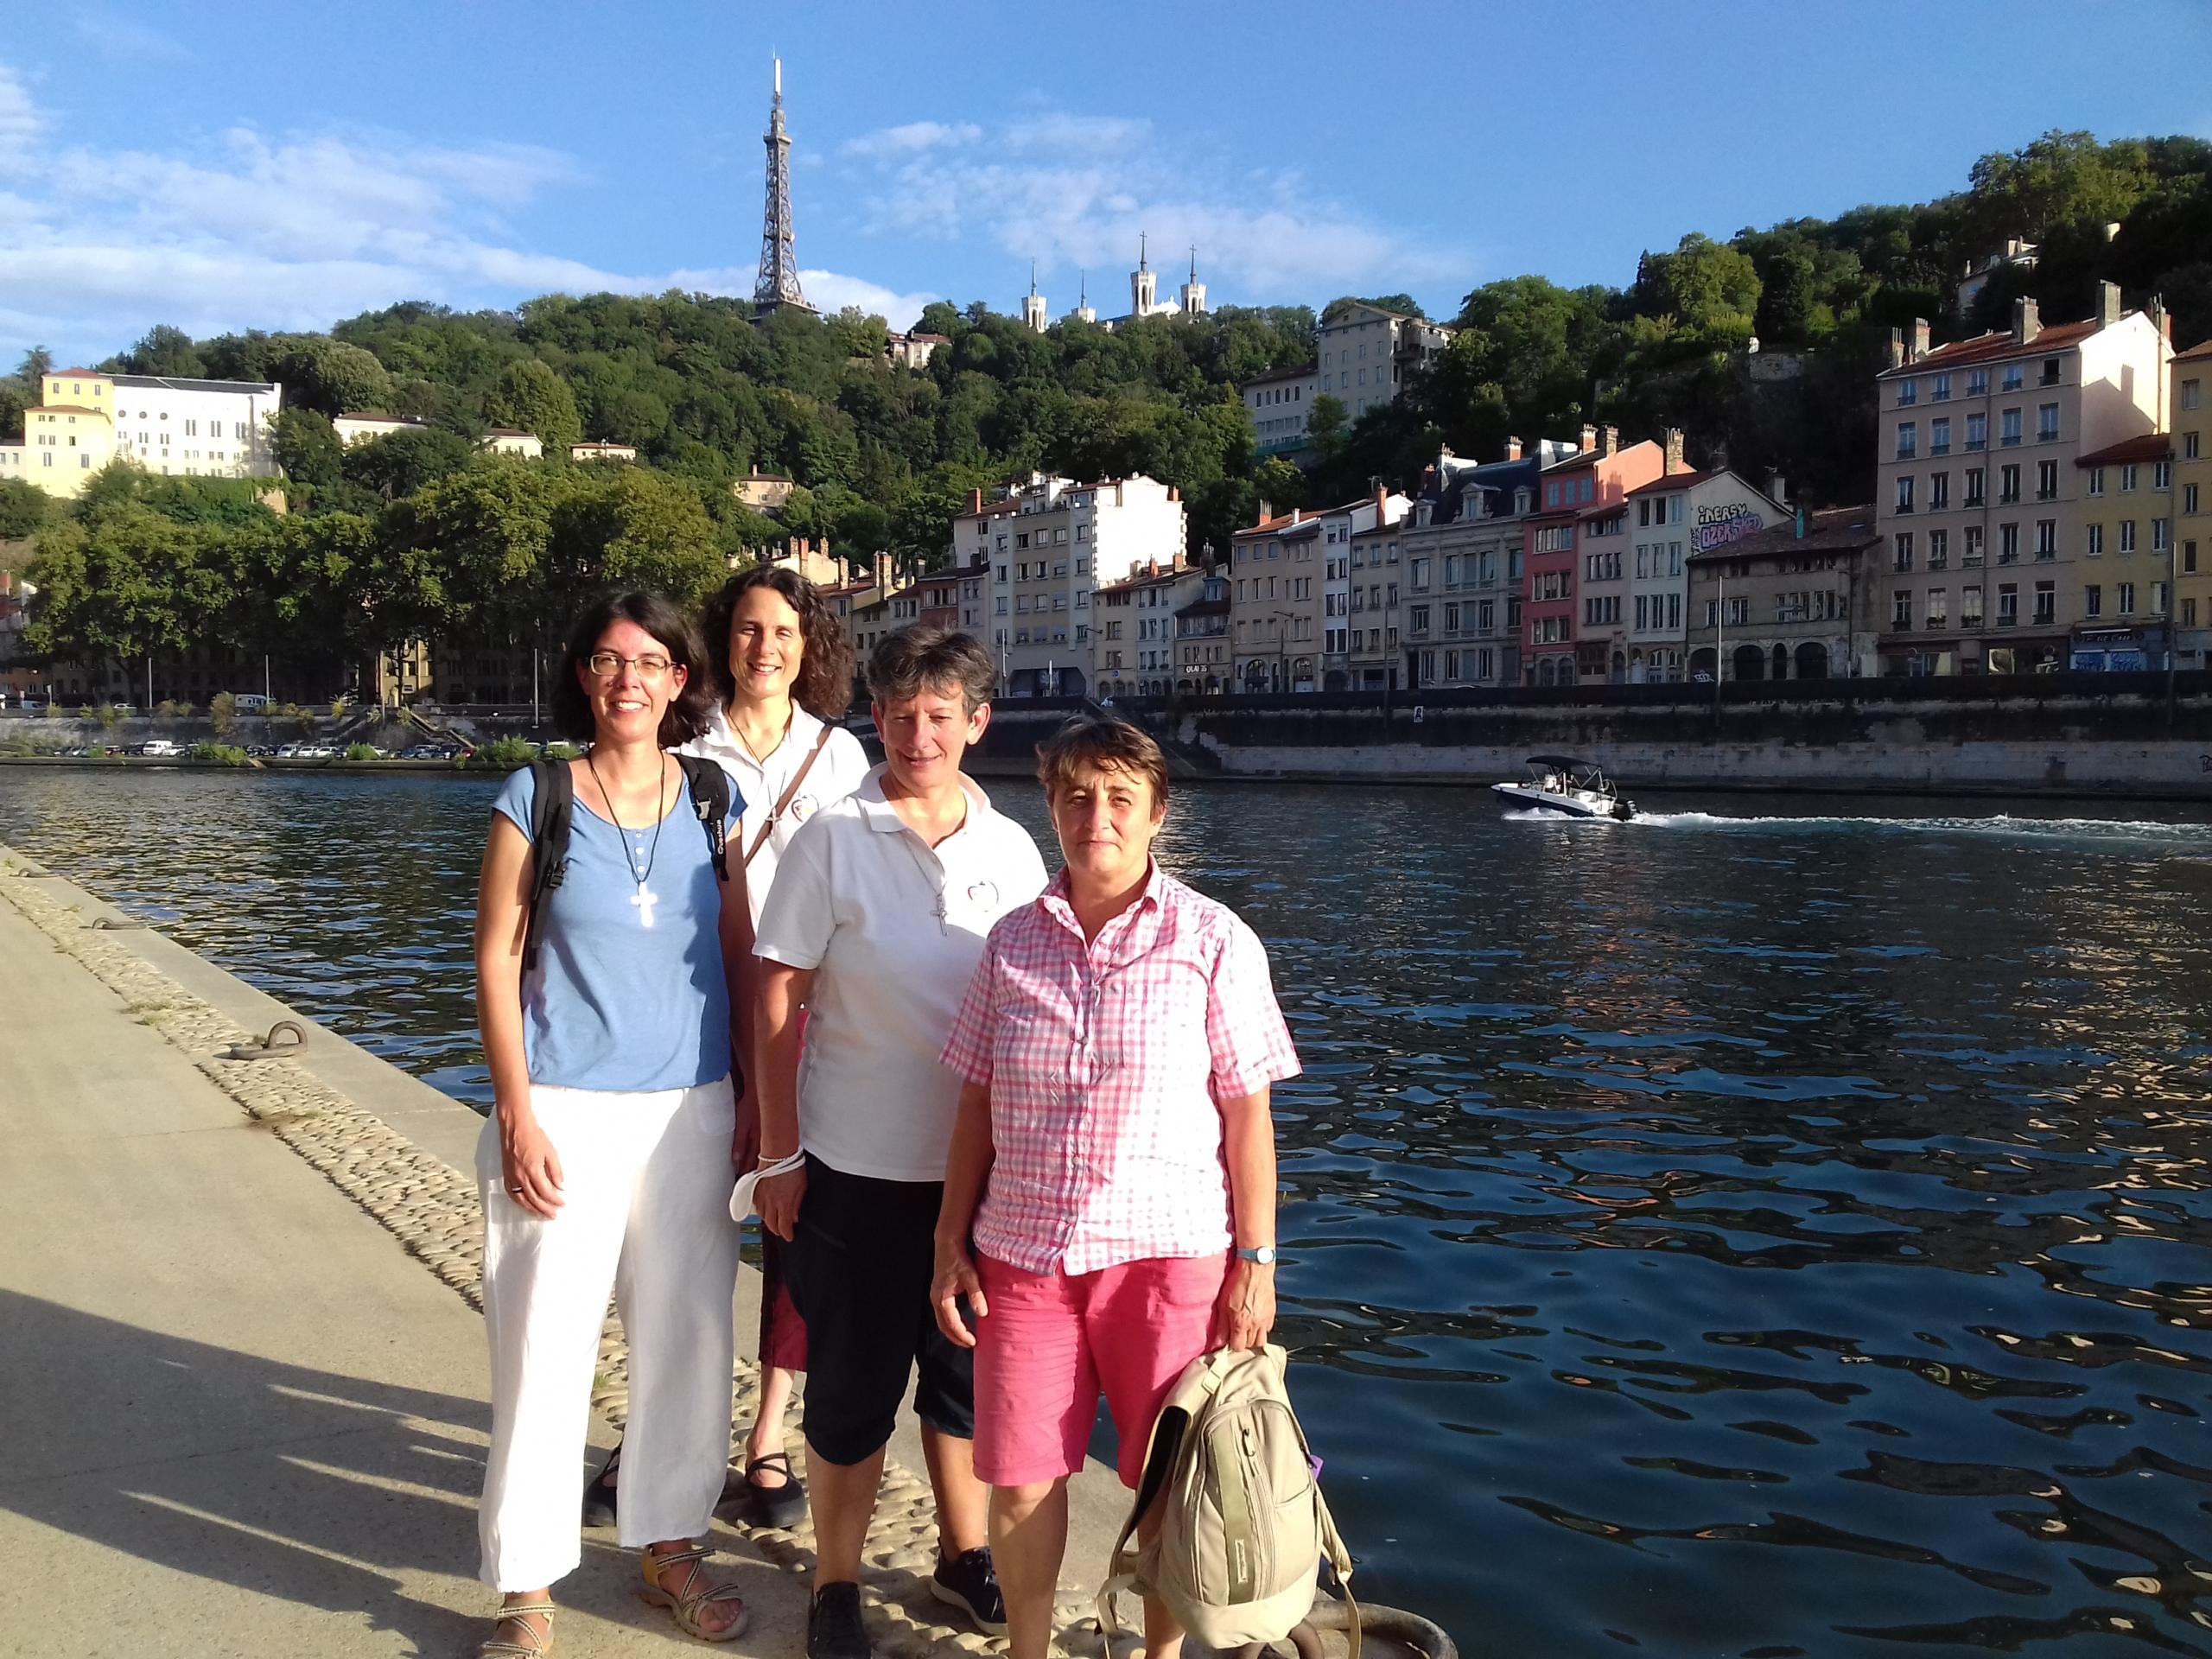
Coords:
pixel 1109 1199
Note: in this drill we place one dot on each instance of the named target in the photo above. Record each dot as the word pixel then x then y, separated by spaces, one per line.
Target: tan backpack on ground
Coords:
pixel 1243 1525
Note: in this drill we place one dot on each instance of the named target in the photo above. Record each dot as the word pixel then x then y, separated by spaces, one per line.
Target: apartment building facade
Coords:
pixel 1589 485
pixel 1979 496
pixel 1464 544
pixel 1795 600
pixel 1275 599
pixel 1280 404
pixel 1048 545
pixel 2126 565
pixel 1662 525
pixel 1134 624
pixel 1204 664
pixel 2190 427
pixel 1364 354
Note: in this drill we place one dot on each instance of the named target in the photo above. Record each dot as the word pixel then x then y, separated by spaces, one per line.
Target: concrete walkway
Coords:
pixel 235 1416
pixel 238 1418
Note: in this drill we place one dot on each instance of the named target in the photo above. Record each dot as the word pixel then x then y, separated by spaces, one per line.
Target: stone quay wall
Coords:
pixel 2050 735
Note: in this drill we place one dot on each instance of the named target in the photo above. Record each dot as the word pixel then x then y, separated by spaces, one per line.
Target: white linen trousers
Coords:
pixel 646 1180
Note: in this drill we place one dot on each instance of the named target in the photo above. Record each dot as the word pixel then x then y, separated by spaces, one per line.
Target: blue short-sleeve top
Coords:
pixel 628 994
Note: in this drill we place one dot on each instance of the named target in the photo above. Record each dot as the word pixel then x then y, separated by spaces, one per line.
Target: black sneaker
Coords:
pixel 834 1626
pixel 970 1582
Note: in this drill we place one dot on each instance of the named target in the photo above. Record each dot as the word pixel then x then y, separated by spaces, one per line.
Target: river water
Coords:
pixel 1759 1230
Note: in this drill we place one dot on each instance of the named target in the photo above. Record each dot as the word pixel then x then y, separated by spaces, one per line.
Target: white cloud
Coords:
pixel 116 36
pixel 20 123
pixel 1076 191
pixel 915 136
pixel 97 246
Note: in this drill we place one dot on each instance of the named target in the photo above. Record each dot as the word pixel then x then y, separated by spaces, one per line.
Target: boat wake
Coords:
pixel 2001 824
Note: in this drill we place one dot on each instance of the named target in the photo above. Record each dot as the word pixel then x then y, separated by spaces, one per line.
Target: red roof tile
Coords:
pixel 2202 349
pixel 2151 446
pixel 1674 481
pixel 1991 348
pixel 1830 530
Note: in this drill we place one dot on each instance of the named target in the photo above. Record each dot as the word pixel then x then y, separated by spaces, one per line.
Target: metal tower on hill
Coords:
pixel 779 281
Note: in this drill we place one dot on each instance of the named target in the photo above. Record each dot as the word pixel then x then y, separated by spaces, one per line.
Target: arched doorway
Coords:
pixel 1702 661
pixel 1812 661
pixel 1748 663
pixel 1543 671
pixel 1301 673
pixel 1620 668
pixel 1782 661
pixel 1336 680
pixel 1636 670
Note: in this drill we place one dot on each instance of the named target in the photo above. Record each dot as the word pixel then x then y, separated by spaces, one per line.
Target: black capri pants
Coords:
pixel 863 1254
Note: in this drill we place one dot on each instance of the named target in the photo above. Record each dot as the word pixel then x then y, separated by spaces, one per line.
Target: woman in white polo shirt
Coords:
pixel 874 924
pixel 781 669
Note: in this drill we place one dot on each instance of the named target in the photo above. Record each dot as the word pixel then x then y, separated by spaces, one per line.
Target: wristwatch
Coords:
pixel 1262 1256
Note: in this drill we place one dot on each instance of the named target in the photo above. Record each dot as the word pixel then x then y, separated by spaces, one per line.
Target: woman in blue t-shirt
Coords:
pixel 606 1161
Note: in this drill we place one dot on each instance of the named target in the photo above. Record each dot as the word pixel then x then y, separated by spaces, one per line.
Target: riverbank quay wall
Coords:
pixel 2057 735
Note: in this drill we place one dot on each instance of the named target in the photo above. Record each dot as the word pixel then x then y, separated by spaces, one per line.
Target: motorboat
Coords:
pixel 1560 783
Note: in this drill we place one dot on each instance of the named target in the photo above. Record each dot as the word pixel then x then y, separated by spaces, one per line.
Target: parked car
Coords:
pixel 162 748
pixel 429 752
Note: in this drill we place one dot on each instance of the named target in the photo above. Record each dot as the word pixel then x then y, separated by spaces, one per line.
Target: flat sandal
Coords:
pixel 684 1605
pixel 492 1648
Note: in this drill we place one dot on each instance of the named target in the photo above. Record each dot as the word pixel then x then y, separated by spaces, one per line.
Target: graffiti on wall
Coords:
pixel 1718 526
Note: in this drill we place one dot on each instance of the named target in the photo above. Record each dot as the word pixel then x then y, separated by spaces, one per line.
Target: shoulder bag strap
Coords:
pixel 552 798
pixel 790 790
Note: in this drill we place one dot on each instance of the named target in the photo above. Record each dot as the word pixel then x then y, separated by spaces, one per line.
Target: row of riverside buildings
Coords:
pixel 2042 504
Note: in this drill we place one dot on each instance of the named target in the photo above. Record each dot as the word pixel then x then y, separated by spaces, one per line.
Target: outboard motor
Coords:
pixel 1622 810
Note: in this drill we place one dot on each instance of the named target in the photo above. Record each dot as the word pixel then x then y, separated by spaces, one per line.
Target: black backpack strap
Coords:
pixel 552 805
pixel 710 799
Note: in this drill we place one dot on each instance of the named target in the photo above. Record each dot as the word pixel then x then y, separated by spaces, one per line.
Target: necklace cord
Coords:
pixel 623 834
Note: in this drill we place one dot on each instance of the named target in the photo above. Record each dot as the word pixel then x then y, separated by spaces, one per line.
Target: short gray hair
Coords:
pixel 930 657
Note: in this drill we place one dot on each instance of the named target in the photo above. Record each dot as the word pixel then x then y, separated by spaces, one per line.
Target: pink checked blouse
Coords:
pixel 1104 1063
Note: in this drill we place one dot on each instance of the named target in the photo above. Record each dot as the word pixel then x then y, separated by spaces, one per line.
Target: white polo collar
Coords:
pixel 883 817
pixel 721 740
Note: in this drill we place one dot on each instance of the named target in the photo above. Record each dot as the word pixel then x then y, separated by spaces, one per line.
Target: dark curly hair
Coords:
pixel 824 685
pixel 687 712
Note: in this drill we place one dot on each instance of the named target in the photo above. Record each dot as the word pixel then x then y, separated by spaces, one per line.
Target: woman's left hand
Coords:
pixel 1246 1311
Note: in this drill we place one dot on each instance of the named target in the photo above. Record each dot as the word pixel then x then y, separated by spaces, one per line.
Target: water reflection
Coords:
pixel 1727 1233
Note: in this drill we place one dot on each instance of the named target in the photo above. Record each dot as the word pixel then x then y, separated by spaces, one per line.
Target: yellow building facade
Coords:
pixel 70 437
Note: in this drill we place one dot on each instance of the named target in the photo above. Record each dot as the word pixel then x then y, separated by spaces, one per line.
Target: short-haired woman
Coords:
pixel 781 671
pixel 603 1163
pixel 875 922
pixel 1110 1201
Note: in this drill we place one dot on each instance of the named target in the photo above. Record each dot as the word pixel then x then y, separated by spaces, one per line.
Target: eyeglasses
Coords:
pixel 607 664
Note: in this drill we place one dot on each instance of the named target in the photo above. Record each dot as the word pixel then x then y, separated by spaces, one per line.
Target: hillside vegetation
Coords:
pixel 420 533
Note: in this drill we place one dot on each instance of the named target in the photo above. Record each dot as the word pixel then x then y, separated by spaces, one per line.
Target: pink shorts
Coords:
pixel 1052 1342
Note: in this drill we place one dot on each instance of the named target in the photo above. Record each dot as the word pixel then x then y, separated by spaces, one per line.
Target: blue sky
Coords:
pixel 283 166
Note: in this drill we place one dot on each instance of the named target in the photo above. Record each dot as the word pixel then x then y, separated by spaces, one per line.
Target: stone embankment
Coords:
pixel 2060 736
pixel 136 1225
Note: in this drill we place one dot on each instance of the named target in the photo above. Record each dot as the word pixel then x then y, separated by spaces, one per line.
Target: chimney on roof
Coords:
pixel 1671 441
pixel 1381 503
pixel 974 500
pixel 1174 493
pixel 1267 510
pixel 1919 338
pixel 1776 491
pixel 882 573
pixel 1296 516
pixel 1513 448
pixel 1589 439
pixel 2027 320
pixel 1609 439
pixel 2155 309
pixel 1897 348
pixel 2107 304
